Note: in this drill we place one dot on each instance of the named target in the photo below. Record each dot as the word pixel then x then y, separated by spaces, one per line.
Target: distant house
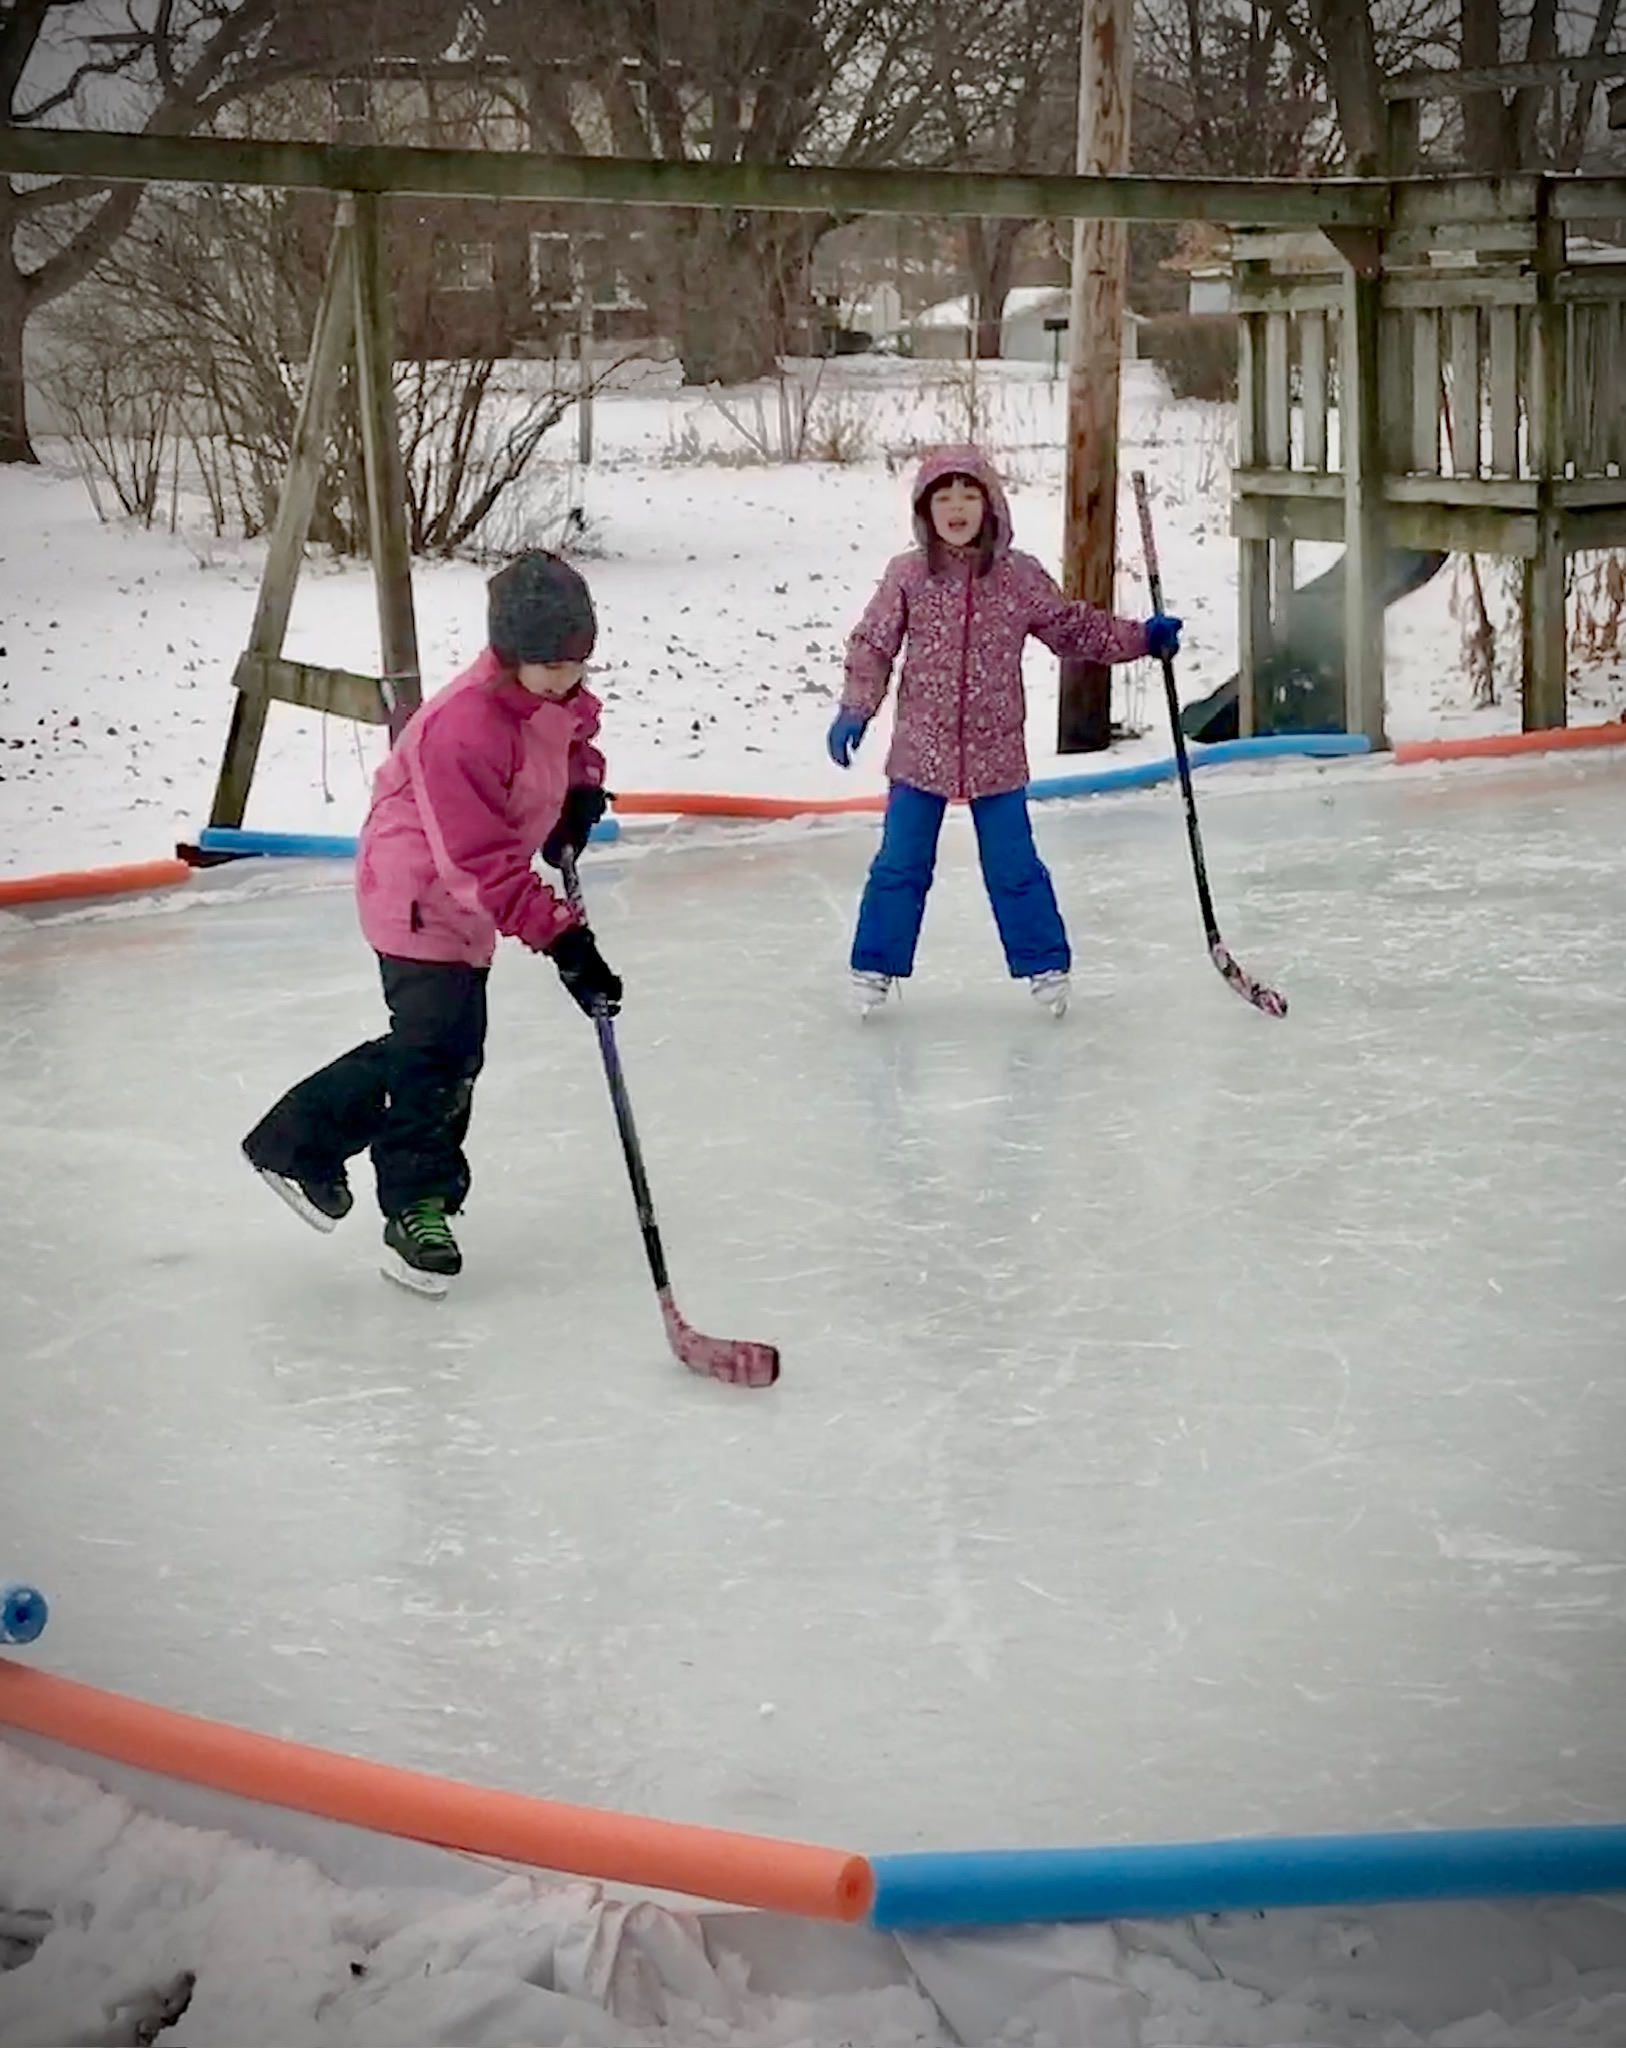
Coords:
pixel 1033 329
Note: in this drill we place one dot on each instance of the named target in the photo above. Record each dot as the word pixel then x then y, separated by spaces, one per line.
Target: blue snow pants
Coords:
pixel 1018 883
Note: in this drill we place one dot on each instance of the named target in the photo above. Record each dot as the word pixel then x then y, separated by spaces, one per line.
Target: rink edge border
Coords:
pixel 144 877
pixel 718 1864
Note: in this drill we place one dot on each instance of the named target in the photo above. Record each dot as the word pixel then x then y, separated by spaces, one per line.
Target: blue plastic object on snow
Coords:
pixel 316 846
pixel 1168 1881
pixel 23 1614
pixel 1144 774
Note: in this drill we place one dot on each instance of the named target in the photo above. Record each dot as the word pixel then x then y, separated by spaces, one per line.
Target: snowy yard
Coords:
pixel 725 592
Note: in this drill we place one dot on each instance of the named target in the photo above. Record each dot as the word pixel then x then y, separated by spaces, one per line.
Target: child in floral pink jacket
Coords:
pixel 961 604
pixel 495 766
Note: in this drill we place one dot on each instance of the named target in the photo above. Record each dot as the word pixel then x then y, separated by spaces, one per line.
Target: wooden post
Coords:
pixel 1100 269
pixel 1545 692
pixel 1360 433
pixel 584 357
pixel 386 482
pixel 330 342
pixel 1255 632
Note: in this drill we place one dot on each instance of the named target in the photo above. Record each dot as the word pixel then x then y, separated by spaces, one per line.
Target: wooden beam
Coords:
pixel 1545 693
pixel 1288 294
pixel 1601 199
pixel 330 342
pixel 1591 281
pixel 339 691
pixel 1453 288
pixel 1424 84
pixel 1463 529
pixel 1255 633
pixel 1498 494
pixel 111 157
pixel 1365 537
pixel 388 541
pixel 1470 201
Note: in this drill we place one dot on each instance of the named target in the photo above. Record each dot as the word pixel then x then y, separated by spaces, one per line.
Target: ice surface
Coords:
pixel 1191 1424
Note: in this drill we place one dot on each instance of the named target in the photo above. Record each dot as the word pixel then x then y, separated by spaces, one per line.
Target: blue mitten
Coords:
pixel 846 730
pixel 1163 635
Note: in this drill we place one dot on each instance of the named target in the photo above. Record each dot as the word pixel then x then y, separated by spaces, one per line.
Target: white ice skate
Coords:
pixel 1052 990
pixel 321 1204
pixel 870 991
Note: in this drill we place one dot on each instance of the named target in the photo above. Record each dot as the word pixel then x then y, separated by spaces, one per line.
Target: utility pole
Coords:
pixel 1096 325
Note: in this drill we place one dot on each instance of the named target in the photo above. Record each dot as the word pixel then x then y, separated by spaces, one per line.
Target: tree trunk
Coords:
pixel 1540 48
pixel 1485 132
pixel 990 257
pixel 15 446
pixel 1352 75
pixel 718 294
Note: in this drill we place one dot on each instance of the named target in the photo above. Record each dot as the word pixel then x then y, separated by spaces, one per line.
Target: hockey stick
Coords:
pixel 736 1360
pixel 1262 998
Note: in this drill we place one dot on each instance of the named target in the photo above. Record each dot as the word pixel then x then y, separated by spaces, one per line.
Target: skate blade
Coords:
pixel 394 1267
pixel 289 1191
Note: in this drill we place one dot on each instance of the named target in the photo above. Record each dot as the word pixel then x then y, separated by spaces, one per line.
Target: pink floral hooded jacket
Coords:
pixel 472 788
pixel 961 712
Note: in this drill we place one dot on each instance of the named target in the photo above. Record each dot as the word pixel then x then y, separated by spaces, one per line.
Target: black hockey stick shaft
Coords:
pixel 740 1362
pixel 1182 761
pixel 621 1102
pixel 1267 999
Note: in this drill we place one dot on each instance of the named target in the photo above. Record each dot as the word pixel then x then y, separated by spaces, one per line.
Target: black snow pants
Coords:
pixel 406 1097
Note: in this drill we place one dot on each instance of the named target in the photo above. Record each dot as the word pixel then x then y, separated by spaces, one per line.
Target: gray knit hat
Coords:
pixel 539 609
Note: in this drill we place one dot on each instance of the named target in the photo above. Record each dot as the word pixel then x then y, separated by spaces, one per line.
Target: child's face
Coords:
pixel 551 678
pixel 958 509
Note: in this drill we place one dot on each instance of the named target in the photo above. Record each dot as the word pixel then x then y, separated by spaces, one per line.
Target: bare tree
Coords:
pixel 1356 44
pixel 1229 88
pixel 1006 79
pixel 724 81
pixel 174 66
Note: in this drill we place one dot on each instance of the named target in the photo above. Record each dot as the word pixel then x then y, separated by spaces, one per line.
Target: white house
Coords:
pixel 1033 330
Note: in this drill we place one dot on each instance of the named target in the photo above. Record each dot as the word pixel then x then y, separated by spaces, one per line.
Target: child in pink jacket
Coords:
pixel 961 604
pixel 495 766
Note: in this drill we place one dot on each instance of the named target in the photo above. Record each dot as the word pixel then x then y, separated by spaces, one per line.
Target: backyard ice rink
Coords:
pixel 1191 1425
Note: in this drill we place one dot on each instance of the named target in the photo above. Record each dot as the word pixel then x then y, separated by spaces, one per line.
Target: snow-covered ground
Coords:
pixel 1429 1016
pixel 725 592
pixel 117 1927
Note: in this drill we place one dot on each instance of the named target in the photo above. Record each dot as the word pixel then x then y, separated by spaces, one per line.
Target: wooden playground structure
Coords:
pixel 1427 362
pixel 1456 383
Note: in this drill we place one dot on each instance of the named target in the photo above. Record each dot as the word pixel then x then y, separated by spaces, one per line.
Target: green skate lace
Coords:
pixel 426 1223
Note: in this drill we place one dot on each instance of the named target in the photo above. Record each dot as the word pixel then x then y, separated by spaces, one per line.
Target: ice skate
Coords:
pixel 870 991
pixel 1052 990
pixel 323 1204
pixel 420 1251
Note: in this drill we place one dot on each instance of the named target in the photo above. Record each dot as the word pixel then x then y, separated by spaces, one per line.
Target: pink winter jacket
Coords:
pixel 959 726
pixel 471 790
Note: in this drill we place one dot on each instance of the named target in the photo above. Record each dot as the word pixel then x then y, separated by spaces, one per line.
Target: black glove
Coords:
pixel 584 972
pixel 582 808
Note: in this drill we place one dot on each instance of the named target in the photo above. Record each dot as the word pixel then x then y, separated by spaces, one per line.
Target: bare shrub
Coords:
pixel 193 338
pixel 1600 606
pixel 841 428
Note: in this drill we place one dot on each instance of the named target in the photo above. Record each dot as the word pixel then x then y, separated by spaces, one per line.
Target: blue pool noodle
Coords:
pixel 1144 774
pixel 1002 1888
pixel 315 845
pixel 1100 782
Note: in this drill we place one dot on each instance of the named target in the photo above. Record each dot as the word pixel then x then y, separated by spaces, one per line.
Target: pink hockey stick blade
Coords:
pixel 738 1362
pixel 1267 999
